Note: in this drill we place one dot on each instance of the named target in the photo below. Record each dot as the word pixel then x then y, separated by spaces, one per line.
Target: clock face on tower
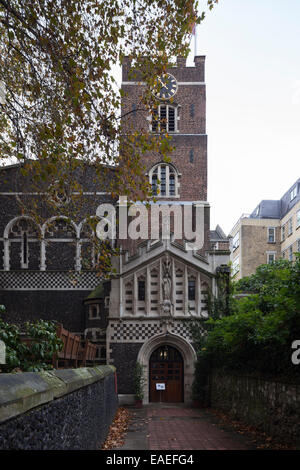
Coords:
pixel 165 87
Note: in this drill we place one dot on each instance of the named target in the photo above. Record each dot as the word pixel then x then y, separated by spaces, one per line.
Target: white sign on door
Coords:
pixel 160 386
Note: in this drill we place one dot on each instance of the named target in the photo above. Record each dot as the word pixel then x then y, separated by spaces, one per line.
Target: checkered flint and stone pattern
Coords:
pixel 181 329
pixel 133 331
pixel 48 280
pixel 139 331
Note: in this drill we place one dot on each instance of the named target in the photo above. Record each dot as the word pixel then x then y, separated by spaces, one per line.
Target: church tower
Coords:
pixel 185 121
pixel 182 114
pixel 163 285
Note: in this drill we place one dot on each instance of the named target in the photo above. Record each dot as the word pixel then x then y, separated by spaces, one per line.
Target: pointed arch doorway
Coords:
pixel 166 369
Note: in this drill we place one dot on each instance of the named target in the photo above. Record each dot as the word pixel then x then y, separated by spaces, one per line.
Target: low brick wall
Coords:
pixel 272 407
pixel 62 409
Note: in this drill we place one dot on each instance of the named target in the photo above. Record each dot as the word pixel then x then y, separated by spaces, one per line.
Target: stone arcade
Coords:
pixel 142 313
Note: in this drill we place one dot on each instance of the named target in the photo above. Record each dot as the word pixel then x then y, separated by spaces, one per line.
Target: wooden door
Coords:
pixel 166 367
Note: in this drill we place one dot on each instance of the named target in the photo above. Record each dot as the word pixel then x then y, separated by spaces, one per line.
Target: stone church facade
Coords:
pixel 142 313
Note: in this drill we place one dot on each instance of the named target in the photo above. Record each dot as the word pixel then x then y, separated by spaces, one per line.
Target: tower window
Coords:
pixel 191 156
pixel 164 181
pixel 164 119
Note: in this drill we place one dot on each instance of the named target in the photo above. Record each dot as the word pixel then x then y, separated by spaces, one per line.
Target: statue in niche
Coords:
pixel 167 287
pixel 167 280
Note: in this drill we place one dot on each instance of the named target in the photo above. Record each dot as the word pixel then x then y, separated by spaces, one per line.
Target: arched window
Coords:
pixel 22 244
pixel 164 181
pixel 164 118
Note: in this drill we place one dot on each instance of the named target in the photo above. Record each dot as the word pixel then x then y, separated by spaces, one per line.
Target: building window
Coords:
pixel 290 226
pixel 298 218
pixel 293 193
pixel 236 241
pixel 283 254
pixel 141 290
pixel 192 289
pixel 271 257
pixel 164 181
pixel 93 312
pixel 236 266
pixel 283 233
pixel 298 245
pixel 291 253
pixel 164 119
pixel 271 234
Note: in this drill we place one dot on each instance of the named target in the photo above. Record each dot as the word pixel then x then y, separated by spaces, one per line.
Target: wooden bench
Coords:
pixel 75 352
pixel 87 352
pixel 71 345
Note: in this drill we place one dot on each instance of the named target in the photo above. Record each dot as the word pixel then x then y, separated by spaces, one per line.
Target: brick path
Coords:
pixel 176 427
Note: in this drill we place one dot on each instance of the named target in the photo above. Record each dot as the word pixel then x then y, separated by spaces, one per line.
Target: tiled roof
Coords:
pixel 277 209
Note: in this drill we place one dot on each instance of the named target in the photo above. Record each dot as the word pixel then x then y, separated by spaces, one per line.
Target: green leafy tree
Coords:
pixel 62 105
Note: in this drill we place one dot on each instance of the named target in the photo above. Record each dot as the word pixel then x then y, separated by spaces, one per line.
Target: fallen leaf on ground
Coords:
pixel 117 430
pixel 258 438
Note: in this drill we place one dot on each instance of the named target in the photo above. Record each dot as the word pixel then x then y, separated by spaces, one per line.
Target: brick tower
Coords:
pixel 183 116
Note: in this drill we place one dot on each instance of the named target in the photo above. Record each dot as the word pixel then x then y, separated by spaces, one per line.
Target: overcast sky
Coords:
pixel 252 50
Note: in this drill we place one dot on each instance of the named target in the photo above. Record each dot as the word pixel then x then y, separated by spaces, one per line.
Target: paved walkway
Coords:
pixel 177 427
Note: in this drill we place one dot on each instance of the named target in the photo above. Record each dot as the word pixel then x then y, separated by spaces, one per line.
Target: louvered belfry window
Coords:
pixel 164 119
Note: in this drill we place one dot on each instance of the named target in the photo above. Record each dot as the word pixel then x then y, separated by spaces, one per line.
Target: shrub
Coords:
pixel 139 381
pixel 34 355
pixel 257 335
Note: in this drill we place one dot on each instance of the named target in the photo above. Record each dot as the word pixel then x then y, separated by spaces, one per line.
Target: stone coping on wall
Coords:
pixel 22 391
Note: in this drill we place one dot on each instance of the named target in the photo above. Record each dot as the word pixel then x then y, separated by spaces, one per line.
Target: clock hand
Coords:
pixel 162 83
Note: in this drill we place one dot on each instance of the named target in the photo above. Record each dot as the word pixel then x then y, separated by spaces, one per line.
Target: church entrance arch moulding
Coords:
pixel 188 354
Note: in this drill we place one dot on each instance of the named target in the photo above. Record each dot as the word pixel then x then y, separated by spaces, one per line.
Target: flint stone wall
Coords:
pixel 271 406
pixel 63 409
